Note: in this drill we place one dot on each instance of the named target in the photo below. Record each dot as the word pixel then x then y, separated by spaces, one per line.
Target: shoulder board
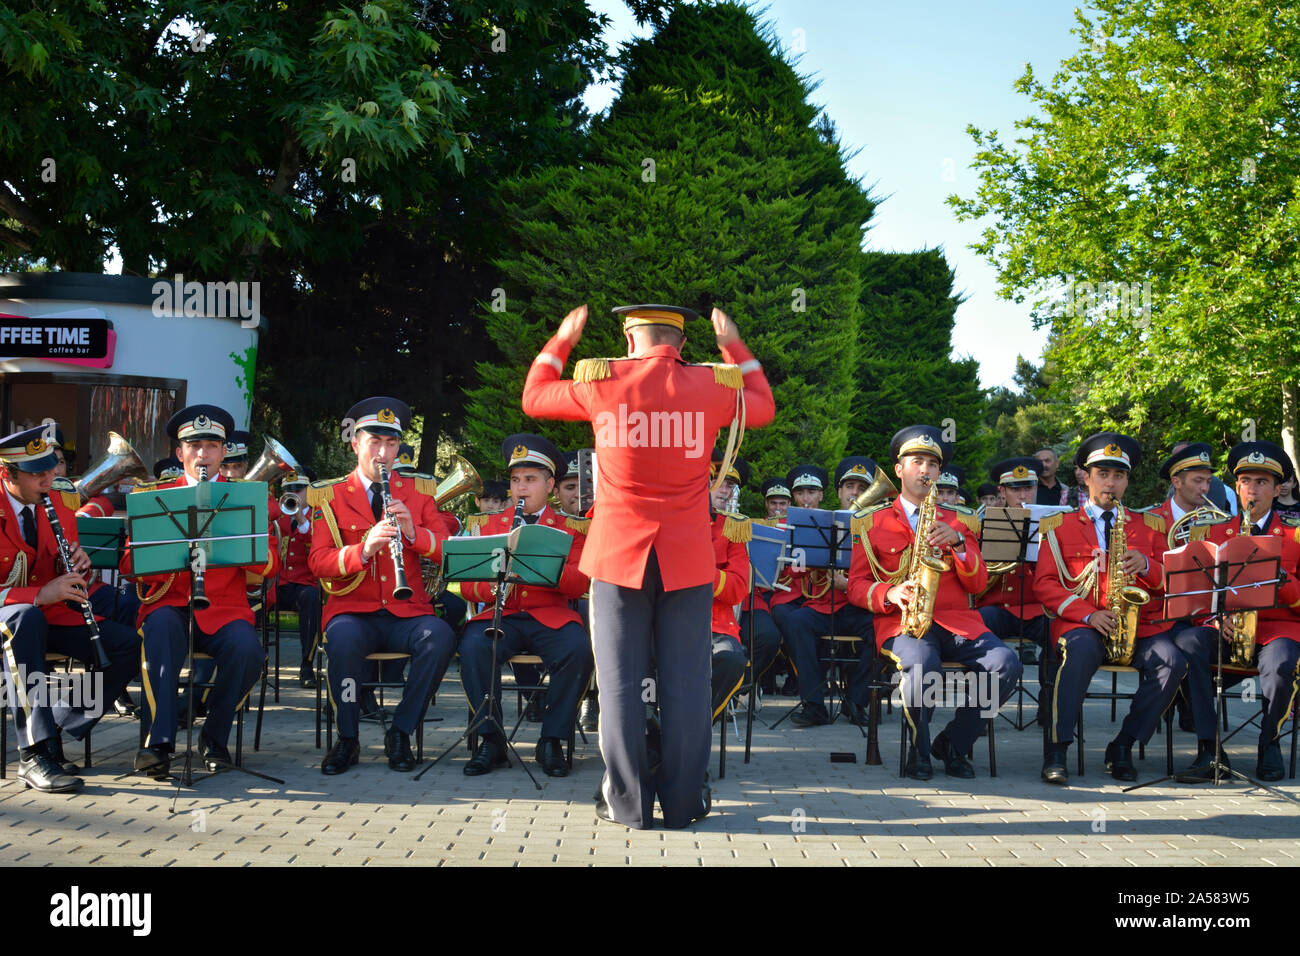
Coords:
pixel 580 525
pixel 68 491
pixel 322 492
pixel 864 520
pixel 145 486
pixel 767 522
pixel 724 374
pixel 1154 522
pixel 591 370
pixel 737 528
pixel 424 484
pixel 1291 521
pixel 1051 522
pixel 477 521
pixel 966 516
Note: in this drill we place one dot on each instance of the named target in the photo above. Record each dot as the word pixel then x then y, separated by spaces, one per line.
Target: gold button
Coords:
pixel 550 521
pixel 354 527
pixel 523 594
pixel 383 577
pixel 385 601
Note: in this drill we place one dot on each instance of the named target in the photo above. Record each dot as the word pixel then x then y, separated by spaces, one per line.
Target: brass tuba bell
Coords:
pixel 119 463
pixel 462 478
pixel 274 462
pixel 879 489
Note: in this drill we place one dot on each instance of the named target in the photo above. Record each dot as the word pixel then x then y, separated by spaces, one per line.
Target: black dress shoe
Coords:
pixel 55 747
pixel 1200 771
pixel 856 715
pixel 307 676
pixel 215 756
pixel 1270 768
pixel 810 715
pixel 589 715
pixel 602 808
pixel 345 753
pixel 706 803
pixel 1119 762
pixel 369 703
pixel 397 745
pixel 918 765
pixel 790 688
pixel 954 764
pixel 40 772
pixel 550 754
pixel 125 706
pixel 1054 766
pixel 490 755
pixel 536 708
pixel 155 761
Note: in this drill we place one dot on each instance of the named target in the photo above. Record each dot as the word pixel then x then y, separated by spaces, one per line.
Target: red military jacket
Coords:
pixel 294 546
pixel 656 418
pixel 356 586
pixel 41 565
pixel 886 537
pixel 1005 592
pixel 1284 620
pixel 1076 538
pixel 550 607
pixel 224 587
pixel 97 507
pixel 731 574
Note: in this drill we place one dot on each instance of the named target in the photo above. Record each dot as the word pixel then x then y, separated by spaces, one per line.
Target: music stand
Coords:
pixel 1220 582
pixel 822 540
pixel 189 529
pixel 1005 536
pixel 530 554
pixel 768 552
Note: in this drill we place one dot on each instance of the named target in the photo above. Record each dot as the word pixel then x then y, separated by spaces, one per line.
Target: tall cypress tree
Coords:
pixel 710 182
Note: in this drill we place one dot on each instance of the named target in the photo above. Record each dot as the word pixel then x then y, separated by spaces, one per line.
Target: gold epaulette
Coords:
pixel 580 525
pixel 1051 522
pixel 737 528
pixel 591 370
pixel 147 485
pixel 477 521
pixel 1291 521
pixel 864 519
pixel 68 492
pixel 768 522
pixel 424 484
pixel 322 492
pixel 966 516
pixel 726 375
pixel 1154 522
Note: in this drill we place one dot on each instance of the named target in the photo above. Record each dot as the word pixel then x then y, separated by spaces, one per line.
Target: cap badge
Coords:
pixel 36 446
pixel 386 416
pixel 1020 471
pixel 1113 451
pixel 521 451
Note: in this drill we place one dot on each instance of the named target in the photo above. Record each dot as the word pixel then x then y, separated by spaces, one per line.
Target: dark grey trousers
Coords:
pixel 629 626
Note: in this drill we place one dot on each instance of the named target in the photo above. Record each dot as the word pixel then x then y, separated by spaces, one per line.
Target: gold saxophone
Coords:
pixel 924 570
pixel 1123 597
pixel 1241 645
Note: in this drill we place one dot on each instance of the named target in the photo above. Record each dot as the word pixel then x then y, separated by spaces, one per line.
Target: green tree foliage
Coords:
pixel 1162 153
pixel 709 183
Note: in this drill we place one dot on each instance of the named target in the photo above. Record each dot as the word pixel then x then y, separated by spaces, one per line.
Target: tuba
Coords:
pixel 274 462
pixel 924 570
pixel 462 479
pixel 1123 597
pixel 119 463
pixel 1241 646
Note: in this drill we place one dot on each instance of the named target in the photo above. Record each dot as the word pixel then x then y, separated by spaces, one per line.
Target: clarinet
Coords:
pixel 65 556
pixel 199 564
pixel 401 590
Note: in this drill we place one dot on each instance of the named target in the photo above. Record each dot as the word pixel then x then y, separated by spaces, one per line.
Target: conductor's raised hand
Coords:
pixel 724 328
pixel 573 324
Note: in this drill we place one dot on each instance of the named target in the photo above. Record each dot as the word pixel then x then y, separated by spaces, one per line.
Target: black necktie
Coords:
pixel 29 527
pixel 1257 529
pixel 1107 517
pixel 376 501
pixel 531 519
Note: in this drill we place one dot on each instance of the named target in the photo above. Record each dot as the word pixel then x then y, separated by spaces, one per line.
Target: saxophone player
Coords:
pixel 1078 598
pixel 1259 468
pixel 879 582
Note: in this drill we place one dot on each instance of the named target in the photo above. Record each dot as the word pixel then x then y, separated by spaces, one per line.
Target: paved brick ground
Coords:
pixel 789 806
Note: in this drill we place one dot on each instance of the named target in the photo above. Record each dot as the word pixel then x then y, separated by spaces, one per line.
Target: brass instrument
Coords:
pixel 1241 645
pixel 401 590
pixel 462 479
pixel 924 570
pixel 879 489
pixel 119 463
pixel 290 503
pixel 274 461
pixel 65 558
pixel 1180 532
pixel 1123 597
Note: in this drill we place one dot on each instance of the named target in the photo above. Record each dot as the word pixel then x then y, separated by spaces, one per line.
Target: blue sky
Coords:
pixel 901 83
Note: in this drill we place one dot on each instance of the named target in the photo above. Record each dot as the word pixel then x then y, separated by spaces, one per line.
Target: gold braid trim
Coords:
pixel 1154 522
pixel 18 574
pixel 1079 584
pixel 328 584
pixel 476 522
pixel 426 484
pixel 591 370
pixel 877 570
pixel 1051 522
pixel 738 529
pixel 580 525
pixel 154 596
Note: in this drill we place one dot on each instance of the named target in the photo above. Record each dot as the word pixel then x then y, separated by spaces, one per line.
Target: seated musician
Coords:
pixel 1072 580
pixel 1008 606
pixel 1259 468
pixel 536 620
pixel 804 612
pixel 35 615
pixel 730 532
pixel 878 579
pixel 296 586
pixel 776 502
pixel 224 629
pixel 566 493
pixel 352 553
pixel 949 485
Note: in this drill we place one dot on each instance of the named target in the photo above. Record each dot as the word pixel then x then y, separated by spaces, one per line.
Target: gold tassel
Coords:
pixel 737 528
pixel 728 375
pixel 861 523
pixel 971 522
pixel 476 522
pixel 591 370
pixel 321 492
pixel 426 484
pixel 1155 522
pixel 1051 522
pixel 580 525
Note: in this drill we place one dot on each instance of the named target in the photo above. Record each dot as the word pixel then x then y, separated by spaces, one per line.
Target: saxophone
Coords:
pixel 1241 646
pixel 1123 597
pixel 924 570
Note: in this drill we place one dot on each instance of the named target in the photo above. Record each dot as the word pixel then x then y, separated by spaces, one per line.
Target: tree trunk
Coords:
pixel 1289 419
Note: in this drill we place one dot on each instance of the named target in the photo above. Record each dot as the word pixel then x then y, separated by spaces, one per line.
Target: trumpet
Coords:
pixel 401 590
pixel 290 503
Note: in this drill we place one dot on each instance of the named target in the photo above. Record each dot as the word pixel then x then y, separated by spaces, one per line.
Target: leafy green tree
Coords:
pixel 1147 211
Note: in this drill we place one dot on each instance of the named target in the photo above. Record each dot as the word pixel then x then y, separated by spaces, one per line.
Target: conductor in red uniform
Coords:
pixel 649 552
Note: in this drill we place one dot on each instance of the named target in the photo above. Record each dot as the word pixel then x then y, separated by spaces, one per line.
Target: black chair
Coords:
pixel 51 657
